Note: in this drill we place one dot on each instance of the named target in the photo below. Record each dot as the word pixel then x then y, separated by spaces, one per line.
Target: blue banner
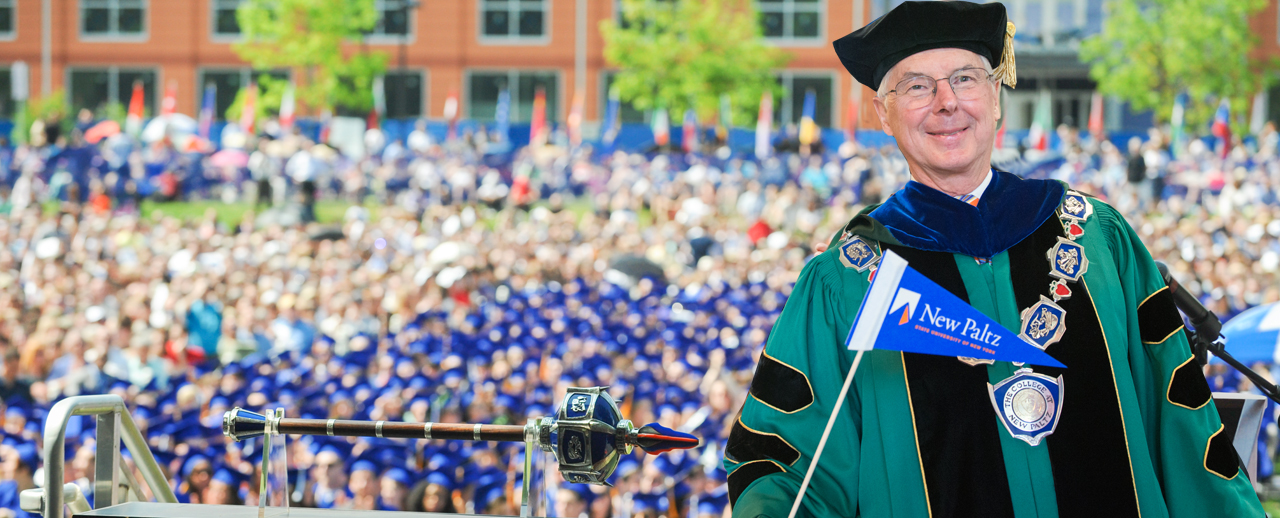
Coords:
pixel 905 311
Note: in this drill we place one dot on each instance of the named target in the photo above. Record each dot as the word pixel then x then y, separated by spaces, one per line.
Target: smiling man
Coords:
pixel 1127 429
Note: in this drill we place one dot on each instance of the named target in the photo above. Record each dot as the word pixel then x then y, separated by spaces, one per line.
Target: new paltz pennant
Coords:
pixel 905 311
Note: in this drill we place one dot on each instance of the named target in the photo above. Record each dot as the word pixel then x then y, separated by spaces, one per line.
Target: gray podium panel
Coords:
pixel 162 510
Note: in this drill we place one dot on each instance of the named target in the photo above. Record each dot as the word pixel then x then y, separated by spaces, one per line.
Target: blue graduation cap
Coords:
pixel 442 479
pixel 643 502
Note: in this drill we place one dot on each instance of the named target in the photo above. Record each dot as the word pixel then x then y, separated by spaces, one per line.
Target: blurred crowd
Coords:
pixel 477 290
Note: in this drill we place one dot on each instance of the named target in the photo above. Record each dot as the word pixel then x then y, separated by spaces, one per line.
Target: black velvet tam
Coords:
pixel 868 53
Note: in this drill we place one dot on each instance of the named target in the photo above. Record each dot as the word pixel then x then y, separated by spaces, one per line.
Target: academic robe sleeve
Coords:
pixel 795 387
pixel 1197 466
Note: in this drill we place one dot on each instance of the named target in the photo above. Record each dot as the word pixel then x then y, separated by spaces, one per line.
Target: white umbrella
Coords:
pixel 172 125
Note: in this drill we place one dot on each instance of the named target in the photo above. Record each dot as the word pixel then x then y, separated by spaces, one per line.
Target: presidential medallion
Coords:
pixel 1067 260
pixel 1029 404
pixel 858 254
pixel 1043 323
pixel 1076 206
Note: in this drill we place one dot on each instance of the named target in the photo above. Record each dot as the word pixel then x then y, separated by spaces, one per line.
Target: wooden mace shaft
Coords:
pixel 401 430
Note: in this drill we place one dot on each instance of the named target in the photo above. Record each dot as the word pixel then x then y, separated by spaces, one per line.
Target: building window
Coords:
pixel 6 93
pixel 393 17
pixel 627 112
pixel 112 17
pixel 225 22
pixel 791 108
pixel 403 91
pixel 513 19
pixel 94 88
pixel 791 19
pixel 650 6
pixel 483 88
pixel 7 17
pixel 228 82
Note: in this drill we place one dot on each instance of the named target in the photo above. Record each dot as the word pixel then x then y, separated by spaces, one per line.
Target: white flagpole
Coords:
pixel 826 432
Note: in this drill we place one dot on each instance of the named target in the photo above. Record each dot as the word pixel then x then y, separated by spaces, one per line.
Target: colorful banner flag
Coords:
pixel 502 114
pixel 1179 135
pixel 1042 124
pixel 169 104
pixel 206 110
pixel 611 117
pixel 287 106
pixel 851 117
pixel 690 131
pixel 574 121
pixel 1097 124
pixel 808 129
pixel 249 111
pixel 661 127
pixel 451 115
pixel 764 126
pixel 905 311
pixel 538 123
pixel 1222 127
pixel 379 102
pixel 137 110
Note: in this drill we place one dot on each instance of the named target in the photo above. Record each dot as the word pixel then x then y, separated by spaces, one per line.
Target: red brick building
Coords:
pixel 98 48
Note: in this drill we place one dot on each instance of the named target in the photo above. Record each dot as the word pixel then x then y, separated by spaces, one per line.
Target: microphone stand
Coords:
pixel 1203 343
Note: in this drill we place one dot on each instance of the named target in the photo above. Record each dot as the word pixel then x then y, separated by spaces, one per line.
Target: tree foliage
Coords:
pixel 682 54
pixel 1149 51
pixel 313 37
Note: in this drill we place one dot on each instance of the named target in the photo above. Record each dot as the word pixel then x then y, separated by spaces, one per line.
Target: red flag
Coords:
pixel 133 122
pixel 1222 126
pixel 286 108
pixel 1096 122
pixel 169 105
pixel 851 118
pixel 689 131
pixel 249 111
pixel 538 124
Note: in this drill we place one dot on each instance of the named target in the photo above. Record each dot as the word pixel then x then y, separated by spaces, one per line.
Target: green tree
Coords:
pixel 1149 51
pixel 312 37
pixel 682 54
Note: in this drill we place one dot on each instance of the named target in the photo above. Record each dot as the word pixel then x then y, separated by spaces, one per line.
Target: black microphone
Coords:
pixel 1204 321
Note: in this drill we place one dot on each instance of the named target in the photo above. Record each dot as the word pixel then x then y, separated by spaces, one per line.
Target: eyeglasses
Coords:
pixel 918 91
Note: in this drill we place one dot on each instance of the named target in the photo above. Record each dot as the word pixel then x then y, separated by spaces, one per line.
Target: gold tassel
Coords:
pixel 1007 72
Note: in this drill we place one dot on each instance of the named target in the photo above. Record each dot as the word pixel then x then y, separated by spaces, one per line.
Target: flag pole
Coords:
pixel 826 432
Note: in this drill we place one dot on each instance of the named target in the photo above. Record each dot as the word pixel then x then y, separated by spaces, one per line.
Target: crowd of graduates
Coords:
pixel 478 292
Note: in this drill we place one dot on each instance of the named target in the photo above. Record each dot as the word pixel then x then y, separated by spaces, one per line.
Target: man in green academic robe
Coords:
pixel 1129 430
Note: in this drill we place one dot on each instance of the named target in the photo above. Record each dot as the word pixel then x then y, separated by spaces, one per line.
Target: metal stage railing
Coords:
pixel 114 426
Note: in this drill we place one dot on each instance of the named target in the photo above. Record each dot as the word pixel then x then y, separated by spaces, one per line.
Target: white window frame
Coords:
pixel 788 76
pixel 422 88
pixel 409 38
pixel 513 77
pixel 788 10
pixel 12 34
pixel 114 35
pixel 113 79
pixel 514 39
pixel 214 35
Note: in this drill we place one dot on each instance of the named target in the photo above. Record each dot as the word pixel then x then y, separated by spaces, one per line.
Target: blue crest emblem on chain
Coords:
pixel 1076 206
pixel 858 254
pixel 1043 323
pixel 1067 260
pixel 1029 404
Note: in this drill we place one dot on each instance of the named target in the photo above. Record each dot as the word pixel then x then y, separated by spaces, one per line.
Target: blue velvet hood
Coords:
pixel 928 219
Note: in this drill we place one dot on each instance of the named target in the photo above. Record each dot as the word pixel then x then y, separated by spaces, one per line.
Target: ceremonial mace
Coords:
pixel 587 436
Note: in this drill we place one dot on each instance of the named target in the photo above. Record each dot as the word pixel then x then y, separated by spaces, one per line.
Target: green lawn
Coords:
pixel 327 211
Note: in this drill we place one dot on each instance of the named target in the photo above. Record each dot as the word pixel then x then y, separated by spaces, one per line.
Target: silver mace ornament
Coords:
pixel 587 436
